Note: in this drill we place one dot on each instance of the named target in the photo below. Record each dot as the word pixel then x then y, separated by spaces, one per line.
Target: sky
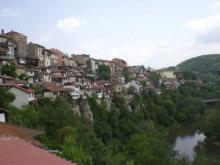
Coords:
pixel 155 33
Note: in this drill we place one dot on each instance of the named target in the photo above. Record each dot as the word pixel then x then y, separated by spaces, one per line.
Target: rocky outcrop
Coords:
pixel 85 110
pixel 76 110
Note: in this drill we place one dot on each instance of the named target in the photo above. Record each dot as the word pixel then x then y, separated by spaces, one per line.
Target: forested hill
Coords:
pixel 205 67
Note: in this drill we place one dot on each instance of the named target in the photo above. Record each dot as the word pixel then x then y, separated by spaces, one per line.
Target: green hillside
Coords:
pixel 205 67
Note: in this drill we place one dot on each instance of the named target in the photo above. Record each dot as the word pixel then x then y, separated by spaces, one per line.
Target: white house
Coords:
pixel 22 95
pixel 134 84
pixel 3 115
pixel 75 91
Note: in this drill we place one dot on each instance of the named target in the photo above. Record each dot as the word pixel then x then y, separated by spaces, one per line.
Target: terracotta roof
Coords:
pixel 12 33
pixel 97 88
pixel 54 88
pixel 56 51
pixel 26 90
pixel 26 134
pixel 15 151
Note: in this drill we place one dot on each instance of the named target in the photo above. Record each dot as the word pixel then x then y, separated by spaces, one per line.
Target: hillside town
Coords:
pixel 37 76
pixel 75 75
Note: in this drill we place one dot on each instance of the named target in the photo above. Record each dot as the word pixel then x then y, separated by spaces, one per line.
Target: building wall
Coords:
pixel 2 117
pixel 168 74
pixel 50 95
pixel 21 98
pixel 21 43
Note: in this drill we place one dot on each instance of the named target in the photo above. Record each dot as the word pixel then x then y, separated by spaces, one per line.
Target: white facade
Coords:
pixel 75 91
pixel 133 84
pixel 167 74
pixel 94 65
pixel 47 60
pixel 2 117
pixel 22 60
pixel 21 97
pixel 11 50
pixel 52 95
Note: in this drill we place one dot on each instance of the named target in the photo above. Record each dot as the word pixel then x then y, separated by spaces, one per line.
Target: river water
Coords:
pixel 185 140
pixel 185 145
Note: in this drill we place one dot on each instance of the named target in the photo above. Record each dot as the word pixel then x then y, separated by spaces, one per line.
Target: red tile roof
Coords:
pixel 26 90
pixel 53 87
pixel 12 33
pixel 56 51
pixel 15 151
pixel 26 134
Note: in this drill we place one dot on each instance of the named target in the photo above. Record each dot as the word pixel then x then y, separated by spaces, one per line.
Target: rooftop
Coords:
pixel 26 134
pixel 18 152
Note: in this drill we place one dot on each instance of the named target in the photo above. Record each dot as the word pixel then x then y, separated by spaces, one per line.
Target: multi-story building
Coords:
pixel 56 57
pixel 36 51
pixel 7 49
pixel 118 64
pixel 3 48
pixel 46 56
pixel 21 46
pixel 94 65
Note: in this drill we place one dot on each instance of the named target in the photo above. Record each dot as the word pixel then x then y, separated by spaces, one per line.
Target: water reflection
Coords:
pixel 185 145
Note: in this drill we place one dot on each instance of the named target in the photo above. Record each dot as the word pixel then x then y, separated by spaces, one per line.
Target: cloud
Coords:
pixel 196 37
pixel 69 24
pixel 205 30
pixel 203 25
pixel 9 12
pixel 215 6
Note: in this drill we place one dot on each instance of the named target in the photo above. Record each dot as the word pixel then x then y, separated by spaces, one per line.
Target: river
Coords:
pixel 185 140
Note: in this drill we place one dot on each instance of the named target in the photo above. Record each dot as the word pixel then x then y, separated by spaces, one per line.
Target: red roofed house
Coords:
pixel 4 79
pixel 23 95
pixel 52 90
pixel 19 148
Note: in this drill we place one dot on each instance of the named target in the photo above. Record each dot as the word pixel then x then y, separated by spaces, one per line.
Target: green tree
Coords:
pixel 126 73
pixel 5 98
pixel 212 123
pixel 74 153
pixel 104 72
pixel 155 77
pixel 147 150
pixel 23 77
pixel 9 69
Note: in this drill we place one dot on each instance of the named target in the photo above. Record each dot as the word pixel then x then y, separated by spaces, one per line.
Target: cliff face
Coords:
pixel 76 110
pixel 85 110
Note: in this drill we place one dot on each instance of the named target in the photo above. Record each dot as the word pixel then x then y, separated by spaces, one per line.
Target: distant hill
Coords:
pixel 205 67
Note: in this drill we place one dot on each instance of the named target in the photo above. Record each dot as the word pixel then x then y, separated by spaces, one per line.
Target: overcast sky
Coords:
pixel 156 33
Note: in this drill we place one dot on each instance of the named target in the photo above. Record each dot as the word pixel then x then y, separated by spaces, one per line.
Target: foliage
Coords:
pixel 212 123
pixel 9 69
pixel 23 77
pixel 5 98
pixel 128 131
pixel 74 153
pixel 126 73
pixel 104 72
pixel 206 68
pixel 145 150
pixel 155 77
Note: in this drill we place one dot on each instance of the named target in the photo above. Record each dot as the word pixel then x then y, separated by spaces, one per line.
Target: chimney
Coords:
pixel 2 31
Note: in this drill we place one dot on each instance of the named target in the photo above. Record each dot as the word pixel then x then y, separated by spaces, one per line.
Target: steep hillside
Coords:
pixel 205 67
